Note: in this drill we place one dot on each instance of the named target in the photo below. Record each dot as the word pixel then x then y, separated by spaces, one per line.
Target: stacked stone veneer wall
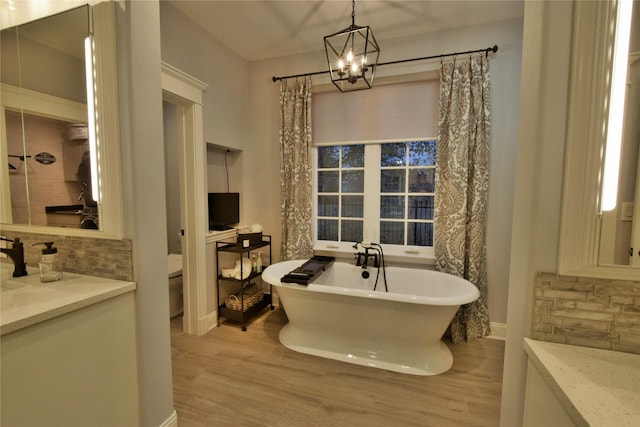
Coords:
pixel 587 312
pixel 106 258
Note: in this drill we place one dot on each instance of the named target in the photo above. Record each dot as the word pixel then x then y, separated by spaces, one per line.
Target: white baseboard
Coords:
pixel 208 322
pixel 498 331
pixel 172 421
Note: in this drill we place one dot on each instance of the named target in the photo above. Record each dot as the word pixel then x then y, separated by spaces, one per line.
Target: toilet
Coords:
pixel 175 284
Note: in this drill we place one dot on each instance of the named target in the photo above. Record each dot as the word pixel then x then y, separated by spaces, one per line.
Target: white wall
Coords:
pixel 192 50
pixel 224 170
pixel 538 182
pixel 261 158
pixel 25 11
pixel 63 75
pixel 225 102
pixel 140 93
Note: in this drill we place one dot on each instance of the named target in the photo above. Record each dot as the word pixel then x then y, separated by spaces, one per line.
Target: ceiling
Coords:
pixel 257 30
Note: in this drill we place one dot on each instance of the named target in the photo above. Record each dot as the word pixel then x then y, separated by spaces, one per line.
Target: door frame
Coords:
pixel 185 92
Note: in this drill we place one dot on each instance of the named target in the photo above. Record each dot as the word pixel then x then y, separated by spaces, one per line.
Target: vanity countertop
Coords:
pixel 597 387
pixel 25 301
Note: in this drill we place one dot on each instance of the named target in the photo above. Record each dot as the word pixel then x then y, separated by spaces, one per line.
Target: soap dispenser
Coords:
pixel 50 266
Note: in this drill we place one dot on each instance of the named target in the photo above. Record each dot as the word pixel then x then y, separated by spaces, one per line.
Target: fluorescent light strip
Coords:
pixel 89 60
pixel 616 106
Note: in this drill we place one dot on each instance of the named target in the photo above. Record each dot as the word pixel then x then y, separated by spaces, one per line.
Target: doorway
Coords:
pixel 183 94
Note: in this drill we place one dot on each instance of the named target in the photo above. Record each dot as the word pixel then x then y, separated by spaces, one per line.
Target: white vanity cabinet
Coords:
pixel 68 353
pixel 570 385
pixel 541 407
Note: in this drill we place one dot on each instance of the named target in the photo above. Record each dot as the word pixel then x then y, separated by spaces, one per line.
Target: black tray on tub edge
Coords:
pixel 308 271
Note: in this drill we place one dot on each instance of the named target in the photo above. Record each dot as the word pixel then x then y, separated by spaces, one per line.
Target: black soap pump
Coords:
pixel 50 267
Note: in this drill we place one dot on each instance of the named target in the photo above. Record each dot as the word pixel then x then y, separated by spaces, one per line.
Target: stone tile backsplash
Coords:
pixel 106 258
pixel 587 312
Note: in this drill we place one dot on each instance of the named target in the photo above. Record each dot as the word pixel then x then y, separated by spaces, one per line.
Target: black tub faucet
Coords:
pixel 16 253
pixel 362 258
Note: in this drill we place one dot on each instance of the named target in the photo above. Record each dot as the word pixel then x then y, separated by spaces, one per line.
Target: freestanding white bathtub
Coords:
pixel 339 316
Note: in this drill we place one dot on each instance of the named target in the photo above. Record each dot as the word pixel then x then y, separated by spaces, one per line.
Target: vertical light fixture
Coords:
pixel 352 55
pixel 616 106
pixel 89 60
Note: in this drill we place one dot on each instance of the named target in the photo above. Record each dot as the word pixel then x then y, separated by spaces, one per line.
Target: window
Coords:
pixel 340 188
pixel 377 191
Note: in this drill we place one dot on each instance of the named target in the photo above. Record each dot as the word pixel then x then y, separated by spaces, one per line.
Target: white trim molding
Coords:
pixel 111 206
pixel 209 322
pixel 172 421
pixel 182 84
pixel 498 331
pixel 581 220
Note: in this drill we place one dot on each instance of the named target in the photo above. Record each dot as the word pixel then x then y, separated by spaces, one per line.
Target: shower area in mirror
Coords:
pixel 50 176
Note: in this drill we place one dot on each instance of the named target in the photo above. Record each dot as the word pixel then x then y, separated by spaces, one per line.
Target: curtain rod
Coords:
pixel 493 49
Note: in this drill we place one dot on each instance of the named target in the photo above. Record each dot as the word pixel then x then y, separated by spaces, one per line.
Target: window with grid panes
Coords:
pixel 340 189
pixel 382 192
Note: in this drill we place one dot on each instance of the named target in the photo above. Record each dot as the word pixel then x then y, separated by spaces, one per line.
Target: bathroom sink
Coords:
pixel 6 271
pixel 9 285
pixel 6 278
pixel 8 282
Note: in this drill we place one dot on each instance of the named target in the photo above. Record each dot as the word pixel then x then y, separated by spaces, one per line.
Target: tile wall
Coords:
pixel 587 312
pixel 108 258
pixel 47 183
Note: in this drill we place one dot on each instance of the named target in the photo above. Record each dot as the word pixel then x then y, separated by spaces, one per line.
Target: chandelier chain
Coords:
pixel 353 13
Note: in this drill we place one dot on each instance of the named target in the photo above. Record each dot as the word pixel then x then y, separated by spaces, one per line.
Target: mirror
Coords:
pixel 585 231
pixel 44 123
pixel 620 231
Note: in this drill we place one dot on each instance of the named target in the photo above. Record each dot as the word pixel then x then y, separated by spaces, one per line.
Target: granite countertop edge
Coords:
pixel 597 387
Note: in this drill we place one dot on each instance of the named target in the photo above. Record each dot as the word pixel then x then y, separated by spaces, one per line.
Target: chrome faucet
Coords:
pixel 16 253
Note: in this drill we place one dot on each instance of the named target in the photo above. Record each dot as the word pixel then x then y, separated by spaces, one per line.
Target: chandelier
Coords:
pixel 352 55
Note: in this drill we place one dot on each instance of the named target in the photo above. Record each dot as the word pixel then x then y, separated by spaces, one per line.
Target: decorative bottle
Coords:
pixel 50 266
pixel 259 263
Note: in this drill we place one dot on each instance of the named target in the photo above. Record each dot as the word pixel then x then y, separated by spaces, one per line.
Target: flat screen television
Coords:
pixel 224 210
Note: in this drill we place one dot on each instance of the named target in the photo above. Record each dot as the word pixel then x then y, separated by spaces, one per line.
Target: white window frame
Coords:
pixel 371 227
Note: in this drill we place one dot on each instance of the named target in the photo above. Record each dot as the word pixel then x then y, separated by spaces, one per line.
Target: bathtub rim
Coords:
pixel 274 273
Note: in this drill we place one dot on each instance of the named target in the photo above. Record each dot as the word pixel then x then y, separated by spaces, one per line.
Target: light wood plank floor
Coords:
pixel 233 378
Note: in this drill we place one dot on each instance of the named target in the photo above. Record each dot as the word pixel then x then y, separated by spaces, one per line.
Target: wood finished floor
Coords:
pixel 232 378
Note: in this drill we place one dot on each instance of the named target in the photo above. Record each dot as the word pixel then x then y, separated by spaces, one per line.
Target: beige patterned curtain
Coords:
pixel 462 180
pixel 295 169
